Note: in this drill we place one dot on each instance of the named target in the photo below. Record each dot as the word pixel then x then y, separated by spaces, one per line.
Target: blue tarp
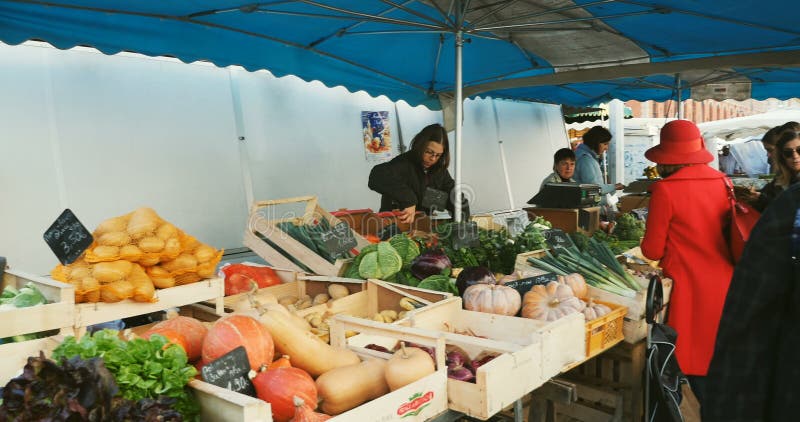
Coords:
pixel 576 53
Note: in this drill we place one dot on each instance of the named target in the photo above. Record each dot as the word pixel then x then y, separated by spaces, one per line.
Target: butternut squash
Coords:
pixel 407 365
pixel 347 387
pixel 308 352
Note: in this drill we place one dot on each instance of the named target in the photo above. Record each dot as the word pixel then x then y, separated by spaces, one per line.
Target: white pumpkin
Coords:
pixel 595 310
pixel 492 298
pixel 551 302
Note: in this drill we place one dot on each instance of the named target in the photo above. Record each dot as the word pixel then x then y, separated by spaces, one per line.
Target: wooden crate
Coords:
pixel 377 296
pixel 56 315
pixel 362 221
pixel 515 372
pixel 634 326
pixel 522 265
pixel 422 222
pixel 604 332
pixel 216 403
pixel 87 314
pixel 281 250
pixel 299 284
pixel 570 220
pixel 563 343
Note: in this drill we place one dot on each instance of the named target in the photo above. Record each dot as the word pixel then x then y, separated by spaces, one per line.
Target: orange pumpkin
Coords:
pixel 193 330
pixel 576 282
pixel 172 336
pixel 236 330
pixel 303 413
pixel 281 362
pixel 550 303
pixel 279 386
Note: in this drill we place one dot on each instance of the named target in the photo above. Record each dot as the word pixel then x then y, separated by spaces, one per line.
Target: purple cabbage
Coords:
pixel 430 263
pixel 473 275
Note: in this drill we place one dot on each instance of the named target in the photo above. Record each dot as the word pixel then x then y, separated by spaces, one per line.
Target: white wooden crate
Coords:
pixel 216 403
pixel 34 319
pixel 87 314
pixel 498 383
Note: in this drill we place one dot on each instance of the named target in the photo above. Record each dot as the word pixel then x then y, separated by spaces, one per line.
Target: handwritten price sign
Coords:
pixel 67 237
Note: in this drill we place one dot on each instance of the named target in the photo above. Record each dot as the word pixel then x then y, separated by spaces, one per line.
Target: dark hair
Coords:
pixel 563 154
pixel 784 174
pixel 432 133
pixel 771 136
pixel 596 136
pixel 791 125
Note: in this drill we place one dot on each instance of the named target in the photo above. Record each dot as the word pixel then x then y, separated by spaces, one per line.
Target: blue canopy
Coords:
pixel 558 51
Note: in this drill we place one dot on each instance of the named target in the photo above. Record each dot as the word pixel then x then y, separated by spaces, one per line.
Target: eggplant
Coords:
pixel 430 263
pixel 473 275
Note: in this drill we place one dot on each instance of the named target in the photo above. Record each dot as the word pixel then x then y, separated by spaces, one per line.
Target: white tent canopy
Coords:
pixel 748 126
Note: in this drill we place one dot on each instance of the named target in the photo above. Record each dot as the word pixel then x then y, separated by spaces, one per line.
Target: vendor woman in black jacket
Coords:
pixel 402 182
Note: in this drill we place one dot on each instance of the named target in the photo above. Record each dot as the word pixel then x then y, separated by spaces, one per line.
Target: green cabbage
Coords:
pixel 383 263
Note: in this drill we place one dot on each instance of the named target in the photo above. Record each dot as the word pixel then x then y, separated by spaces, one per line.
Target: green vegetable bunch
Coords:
pixel 141 368
pixel 389 260
pixel 29 295
pixel 629 227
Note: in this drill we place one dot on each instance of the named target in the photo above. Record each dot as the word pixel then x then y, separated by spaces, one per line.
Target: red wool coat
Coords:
pixel 685 231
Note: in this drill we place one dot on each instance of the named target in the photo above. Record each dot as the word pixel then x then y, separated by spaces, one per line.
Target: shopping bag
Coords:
pixel 743 218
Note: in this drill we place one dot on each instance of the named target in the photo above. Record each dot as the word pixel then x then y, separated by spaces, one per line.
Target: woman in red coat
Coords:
pixel 688 209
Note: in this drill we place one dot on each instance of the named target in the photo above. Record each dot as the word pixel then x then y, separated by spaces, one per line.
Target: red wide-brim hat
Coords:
pixel 681 143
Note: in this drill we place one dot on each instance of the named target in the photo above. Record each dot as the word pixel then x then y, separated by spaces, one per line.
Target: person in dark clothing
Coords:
pixel 404 181
pixel 754 371
pixel 786 161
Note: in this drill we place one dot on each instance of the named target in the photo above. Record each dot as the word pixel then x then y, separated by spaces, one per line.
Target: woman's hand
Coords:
pixel 407 215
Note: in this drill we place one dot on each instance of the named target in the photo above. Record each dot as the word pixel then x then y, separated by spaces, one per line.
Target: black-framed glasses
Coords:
pixel 789 152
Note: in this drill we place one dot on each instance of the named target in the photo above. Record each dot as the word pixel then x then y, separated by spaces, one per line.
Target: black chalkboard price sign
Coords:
pixel 556 238
pixel 523 285
pixel 67 237
pixel 339 239
pixel 230 371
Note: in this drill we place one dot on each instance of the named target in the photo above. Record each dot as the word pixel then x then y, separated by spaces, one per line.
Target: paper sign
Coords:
pixel 67 237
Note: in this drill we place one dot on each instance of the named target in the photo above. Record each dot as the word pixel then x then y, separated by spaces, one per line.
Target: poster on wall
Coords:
pixel 376 136
pixel 635 163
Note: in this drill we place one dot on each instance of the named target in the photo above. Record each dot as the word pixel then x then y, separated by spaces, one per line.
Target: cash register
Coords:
pixel 567 195
pixel 568 206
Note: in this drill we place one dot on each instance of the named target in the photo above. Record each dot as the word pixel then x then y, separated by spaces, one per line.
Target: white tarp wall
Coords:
pixel 104 135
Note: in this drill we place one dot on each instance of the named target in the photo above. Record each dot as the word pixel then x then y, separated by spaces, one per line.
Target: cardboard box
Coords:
pixel 632 202
pixel 570 220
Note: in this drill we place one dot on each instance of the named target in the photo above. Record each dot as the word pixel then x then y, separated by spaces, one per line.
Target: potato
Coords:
pixel 204 253
pixel 166 231
pixel 320 299
pixel 143 222
pixel 130 252
pixel 172 247
pixel 337 291
pixel 107 272
pixel 114 239
pixel 106 252
pixel 116 224
pixel 151 244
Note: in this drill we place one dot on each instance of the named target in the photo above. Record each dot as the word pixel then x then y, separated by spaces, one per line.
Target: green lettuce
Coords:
pixel 440 283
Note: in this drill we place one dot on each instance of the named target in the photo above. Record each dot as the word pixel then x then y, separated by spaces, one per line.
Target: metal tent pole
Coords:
pixel 459 112
pixel 503 156
pixel 678 88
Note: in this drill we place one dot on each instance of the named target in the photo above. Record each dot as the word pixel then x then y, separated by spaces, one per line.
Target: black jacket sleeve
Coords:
pixel 392 180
